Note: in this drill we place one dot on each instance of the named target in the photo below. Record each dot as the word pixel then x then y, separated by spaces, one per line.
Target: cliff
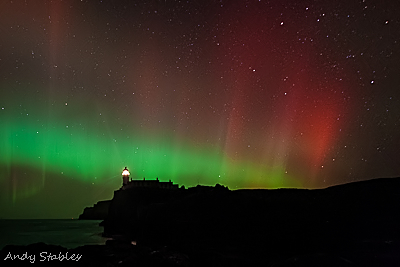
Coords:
pixel 98 212
pixel 277 224
pixel 347 225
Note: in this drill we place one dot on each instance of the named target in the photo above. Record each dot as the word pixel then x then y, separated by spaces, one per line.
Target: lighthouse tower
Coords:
pixel 125 176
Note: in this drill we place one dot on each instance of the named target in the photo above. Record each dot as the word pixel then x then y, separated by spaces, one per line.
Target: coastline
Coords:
pixel 346 225
pixel 69 233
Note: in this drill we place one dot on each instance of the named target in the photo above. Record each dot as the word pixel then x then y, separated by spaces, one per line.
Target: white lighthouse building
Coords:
pixel 125 176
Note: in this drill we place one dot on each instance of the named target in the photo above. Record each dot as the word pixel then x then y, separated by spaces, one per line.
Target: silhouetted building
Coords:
pixel 145 183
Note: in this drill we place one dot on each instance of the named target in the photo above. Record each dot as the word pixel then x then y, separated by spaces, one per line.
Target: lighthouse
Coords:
pixel 125 176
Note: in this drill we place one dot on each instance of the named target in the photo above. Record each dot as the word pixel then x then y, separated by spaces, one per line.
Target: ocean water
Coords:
pixel 66 233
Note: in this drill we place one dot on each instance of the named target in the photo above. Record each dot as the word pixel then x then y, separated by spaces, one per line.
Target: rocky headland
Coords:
pixel 354 224
pixel 99 211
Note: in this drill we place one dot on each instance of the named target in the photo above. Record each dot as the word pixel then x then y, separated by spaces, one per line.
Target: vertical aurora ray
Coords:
pixel 89 159
pixel 90 147
pixel 302 120
pixel 247 94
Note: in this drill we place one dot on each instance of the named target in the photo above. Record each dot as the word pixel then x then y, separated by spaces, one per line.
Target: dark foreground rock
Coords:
pixel 114 253
pixel 123 253
pixel 99 211
pixel 349 224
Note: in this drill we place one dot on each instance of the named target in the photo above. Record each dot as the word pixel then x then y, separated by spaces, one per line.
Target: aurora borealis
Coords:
pixel 248 94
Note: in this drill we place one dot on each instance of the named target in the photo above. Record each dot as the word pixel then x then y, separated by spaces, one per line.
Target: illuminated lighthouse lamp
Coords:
pixel 125 176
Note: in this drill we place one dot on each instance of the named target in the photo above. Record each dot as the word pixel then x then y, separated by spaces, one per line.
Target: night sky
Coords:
pixel 248 94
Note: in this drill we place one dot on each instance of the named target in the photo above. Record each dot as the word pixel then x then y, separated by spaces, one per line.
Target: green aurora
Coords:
pixel 97 152
pixel 262 94
pixel 91 157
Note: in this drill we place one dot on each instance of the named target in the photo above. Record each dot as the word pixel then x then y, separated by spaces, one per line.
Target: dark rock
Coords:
pixel 215 226
pixel 98 212
pixel 315 260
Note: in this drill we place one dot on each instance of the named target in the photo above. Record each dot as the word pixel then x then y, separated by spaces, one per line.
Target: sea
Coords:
pixel 68 233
